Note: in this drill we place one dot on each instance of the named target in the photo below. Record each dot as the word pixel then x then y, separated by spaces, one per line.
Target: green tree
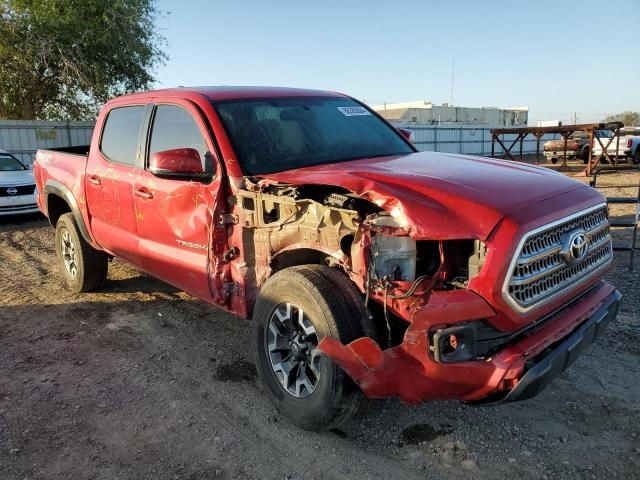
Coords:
pixel 628 118
pixel 61 59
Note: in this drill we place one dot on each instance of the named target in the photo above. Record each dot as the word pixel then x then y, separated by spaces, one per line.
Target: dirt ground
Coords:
pixel 141 381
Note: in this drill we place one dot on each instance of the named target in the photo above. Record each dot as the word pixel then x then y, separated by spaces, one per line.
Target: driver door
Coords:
pixel 174 216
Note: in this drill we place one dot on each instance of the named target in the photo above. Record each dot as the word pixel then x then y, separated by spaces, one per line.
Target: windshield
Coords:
pixel 272 135
pixel 9 163
pixel 604 133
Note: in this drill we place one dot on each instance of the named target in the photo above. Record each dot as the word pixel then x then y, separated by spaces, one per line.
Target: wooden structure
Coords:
pixel 498 136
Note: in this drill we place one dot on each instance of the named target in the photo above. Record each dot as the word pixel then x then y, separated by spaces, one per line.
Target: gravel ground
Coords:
pixel 141 381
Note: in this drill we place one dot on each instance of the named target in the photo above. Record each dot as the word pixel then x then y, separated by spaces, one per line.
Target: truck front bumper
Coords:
pixel 20 204
pixel 519 370
pixel 559 153
pixel 547 365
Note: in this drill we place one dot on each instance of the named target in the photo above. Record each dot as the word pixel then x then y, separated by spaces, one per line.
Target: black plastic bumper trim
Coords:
pixel 561 356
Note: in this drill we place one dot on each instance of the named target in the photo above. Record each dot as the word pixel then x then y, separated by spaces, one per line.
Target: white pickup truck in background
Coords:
pixel 614 149
pixel 632 147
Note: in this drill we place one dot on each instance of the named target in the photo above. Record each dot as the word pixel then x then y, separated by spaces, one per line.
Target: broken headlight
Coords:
pixel 394 256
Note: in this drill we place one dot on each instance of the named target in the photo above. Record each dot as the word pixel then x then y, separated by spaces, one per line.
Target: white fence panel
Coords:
pixel 23 138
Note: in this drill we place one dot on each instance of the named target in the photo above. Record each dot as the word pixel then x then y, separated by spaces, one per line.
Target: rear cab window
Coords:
pixel 121 132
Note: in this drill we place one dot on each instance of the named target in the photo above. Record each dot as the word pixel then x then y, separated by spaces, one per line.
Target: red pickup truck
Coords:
pixel 370 269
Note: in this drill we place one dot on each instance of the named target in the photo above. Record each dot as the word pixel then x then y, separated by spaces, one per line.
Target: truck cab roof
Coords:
pixel 228 92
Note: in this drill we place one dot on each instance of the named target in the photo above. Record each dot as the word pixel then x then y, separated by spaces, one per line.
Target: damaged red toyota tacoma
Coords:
pixel 370 269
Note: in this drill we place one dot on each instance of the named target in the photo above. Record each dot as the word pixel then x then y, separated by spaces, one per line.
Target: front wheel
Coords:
pixel 585 155
pixel 295 310
pixel 83 267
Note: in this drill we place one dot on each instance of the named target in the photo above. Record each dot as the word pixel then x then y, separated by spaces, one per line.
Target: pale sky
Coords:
pixel 555 57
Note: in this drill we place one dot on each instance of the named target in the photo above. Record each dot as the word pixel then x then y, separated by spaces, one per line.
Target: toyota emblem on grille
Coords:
pixel 575 246
pixel 12 191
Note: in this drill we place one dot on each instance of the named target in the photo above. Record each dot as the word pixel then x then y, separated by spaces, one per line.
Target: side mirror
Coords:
pixel 179 162
pixel 408 134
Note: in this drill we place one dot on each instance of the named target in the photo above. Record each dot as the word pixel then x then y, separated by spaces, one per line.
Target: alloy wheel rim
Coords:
pixel 69 253
pixel 292 346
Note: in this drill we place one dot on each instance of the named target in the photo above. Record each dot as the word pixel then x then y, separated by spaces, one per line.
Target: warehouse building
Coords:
pixel 426 113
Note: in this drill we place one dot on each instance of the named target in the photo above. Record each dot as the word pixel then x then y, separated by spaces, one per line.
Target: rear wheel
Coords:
pixel 585 155
pixel 296 309
pixel 636 156
pixel 83 267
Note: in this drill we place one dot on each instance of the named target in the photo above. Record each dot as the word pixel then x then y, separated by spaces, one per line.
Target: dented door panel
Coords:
pixel 174 230
pixel 175 216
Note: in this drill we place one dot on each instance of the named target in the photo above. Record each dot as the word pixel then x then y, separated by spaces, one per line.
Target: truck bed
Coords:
pixel 74 150
pixel 62 171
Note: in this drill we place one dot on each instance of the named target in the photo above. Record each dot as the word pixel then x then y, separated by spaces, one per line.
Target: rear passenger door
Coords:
pixel 111 170
pixel 174 216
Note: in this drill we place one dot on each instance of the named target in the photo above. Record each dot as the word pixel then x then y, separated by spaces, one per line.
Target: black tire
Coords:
pixel 636 156
pixel 83 267
pixel 554 160
pixel 334 307
pixel 585 155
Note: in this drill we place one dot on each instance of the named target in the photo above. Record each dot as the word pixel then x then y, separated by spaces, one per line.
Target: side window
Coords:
pixel 119 141
pixel 173 128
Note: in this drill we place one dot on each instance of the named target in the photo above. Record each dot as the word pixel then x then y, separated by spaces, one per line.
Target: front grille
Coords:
pixel 544 266
pixel 21 190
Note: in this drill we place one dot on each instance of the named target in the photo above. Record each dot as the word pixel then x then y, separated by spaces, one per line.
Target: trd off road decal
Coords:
pixel 197 246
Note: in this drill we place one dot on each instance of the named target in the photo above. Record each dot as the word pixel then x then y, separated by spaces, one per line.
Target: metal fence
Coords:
pixel 467 139
pixel 23 138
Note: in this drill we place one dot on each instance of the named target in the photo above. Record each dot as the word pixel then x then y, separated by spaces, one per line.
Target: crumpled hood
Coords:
pixel 441 196
pixel 18 177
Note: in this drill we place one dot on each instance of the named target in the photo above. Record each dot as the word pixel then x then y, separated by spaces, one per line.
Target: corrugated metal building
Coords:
pixel 23 137
pixel 426 113
pixel 465 139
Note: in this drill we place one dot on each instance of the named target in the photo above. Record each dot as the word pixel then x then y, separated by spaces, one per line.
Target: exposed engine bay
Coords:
pixel 284 225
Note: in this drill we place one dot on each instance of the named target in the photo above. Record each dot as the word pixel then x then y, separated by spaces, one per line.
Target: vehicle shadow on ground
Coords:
pixel 22 222
pixel 142 283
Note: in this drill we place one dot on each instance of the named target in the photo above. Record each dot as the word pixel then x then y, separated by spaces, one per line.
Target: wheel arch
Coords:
pixel 304 254
pixel 60 200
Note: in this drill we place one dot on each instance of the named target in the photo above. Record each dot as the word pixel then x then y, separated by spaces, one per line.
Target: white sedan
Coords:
pixel 17 186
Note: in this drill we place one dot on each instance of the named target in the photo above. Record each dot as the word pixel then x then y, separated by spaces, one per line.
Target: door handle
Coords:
pixel 95 180
pixel 143 193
